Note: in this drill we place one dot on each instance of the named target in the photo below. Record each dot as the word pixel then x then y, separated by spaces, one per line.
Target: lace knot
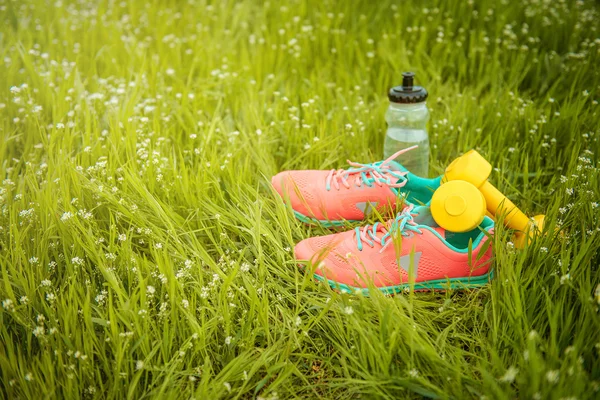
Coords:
pixel 379 173
pixel 403 222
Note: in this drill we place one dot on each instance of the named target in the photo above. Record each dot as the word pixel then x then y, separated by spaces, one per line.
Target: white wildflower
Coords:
pixel 8 305
pixel 50 298
pixel 532 335
pixel 552 376
pixel 565 278
pixel 245 267
pixel 509 375
pixel 77 260
pixel 101 297
pixel 204 292
pixel 66 216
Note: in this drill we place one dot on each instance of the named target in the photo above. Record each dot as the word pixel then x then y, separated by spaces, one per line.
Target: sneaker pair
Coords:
pixel 410 249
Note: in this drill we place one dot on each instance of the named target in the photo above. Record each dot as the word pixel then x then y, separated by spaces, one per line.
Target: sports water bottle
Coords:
pixel 407 118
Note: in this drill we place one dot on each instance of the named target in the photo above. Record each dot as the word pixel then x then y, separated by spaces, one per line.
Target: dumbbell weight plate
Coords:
pixel 458 206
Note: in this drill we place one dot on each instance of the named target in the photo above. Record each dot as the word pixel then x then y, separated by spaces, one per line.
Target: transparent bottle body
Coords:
pixel 407 126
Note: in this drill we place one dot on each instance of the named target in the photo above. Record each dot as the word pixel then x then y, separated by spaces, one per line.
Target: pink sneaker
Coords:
pixel 333 197
pixel 369 255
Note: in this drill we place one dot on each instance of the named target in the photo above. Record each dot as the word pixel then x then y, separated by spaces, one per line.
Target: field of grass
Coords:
pixel 143 253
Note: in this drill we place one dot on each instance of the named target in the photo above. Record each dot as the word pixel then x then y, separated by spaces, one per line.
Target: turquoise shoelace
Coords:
pixel 403 223
pixel 369 174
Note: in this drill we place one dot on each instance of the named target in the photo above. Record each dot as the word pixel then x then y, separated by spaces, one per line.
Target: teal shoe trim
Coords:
pixel 438 284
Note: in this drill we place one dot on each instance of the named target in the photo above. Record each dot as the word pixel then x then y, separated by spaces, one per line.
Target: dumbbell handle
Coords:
pixel 498 204
pixel 474 169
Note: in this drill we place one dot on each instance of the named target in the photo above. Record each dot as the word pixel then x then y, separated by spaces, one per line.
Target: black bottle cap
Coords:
pixel 407 93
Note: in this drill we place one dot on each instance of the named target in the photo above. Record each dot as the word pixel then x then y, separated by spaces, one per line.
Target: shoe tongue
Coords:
pixel 440 230
pixel 423 217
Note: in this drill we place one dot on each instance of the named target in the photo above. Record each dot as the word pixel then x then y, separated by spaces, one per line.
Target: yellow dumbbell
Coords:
pixel 460 204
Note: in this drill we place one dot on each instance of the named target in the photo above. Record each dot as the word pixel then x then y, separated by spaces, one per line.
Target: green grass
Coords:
pixel 143 253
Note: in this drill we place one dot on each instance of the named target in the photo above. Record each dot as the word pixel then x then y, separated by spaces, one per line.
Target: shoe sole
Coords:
pixel 432 285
